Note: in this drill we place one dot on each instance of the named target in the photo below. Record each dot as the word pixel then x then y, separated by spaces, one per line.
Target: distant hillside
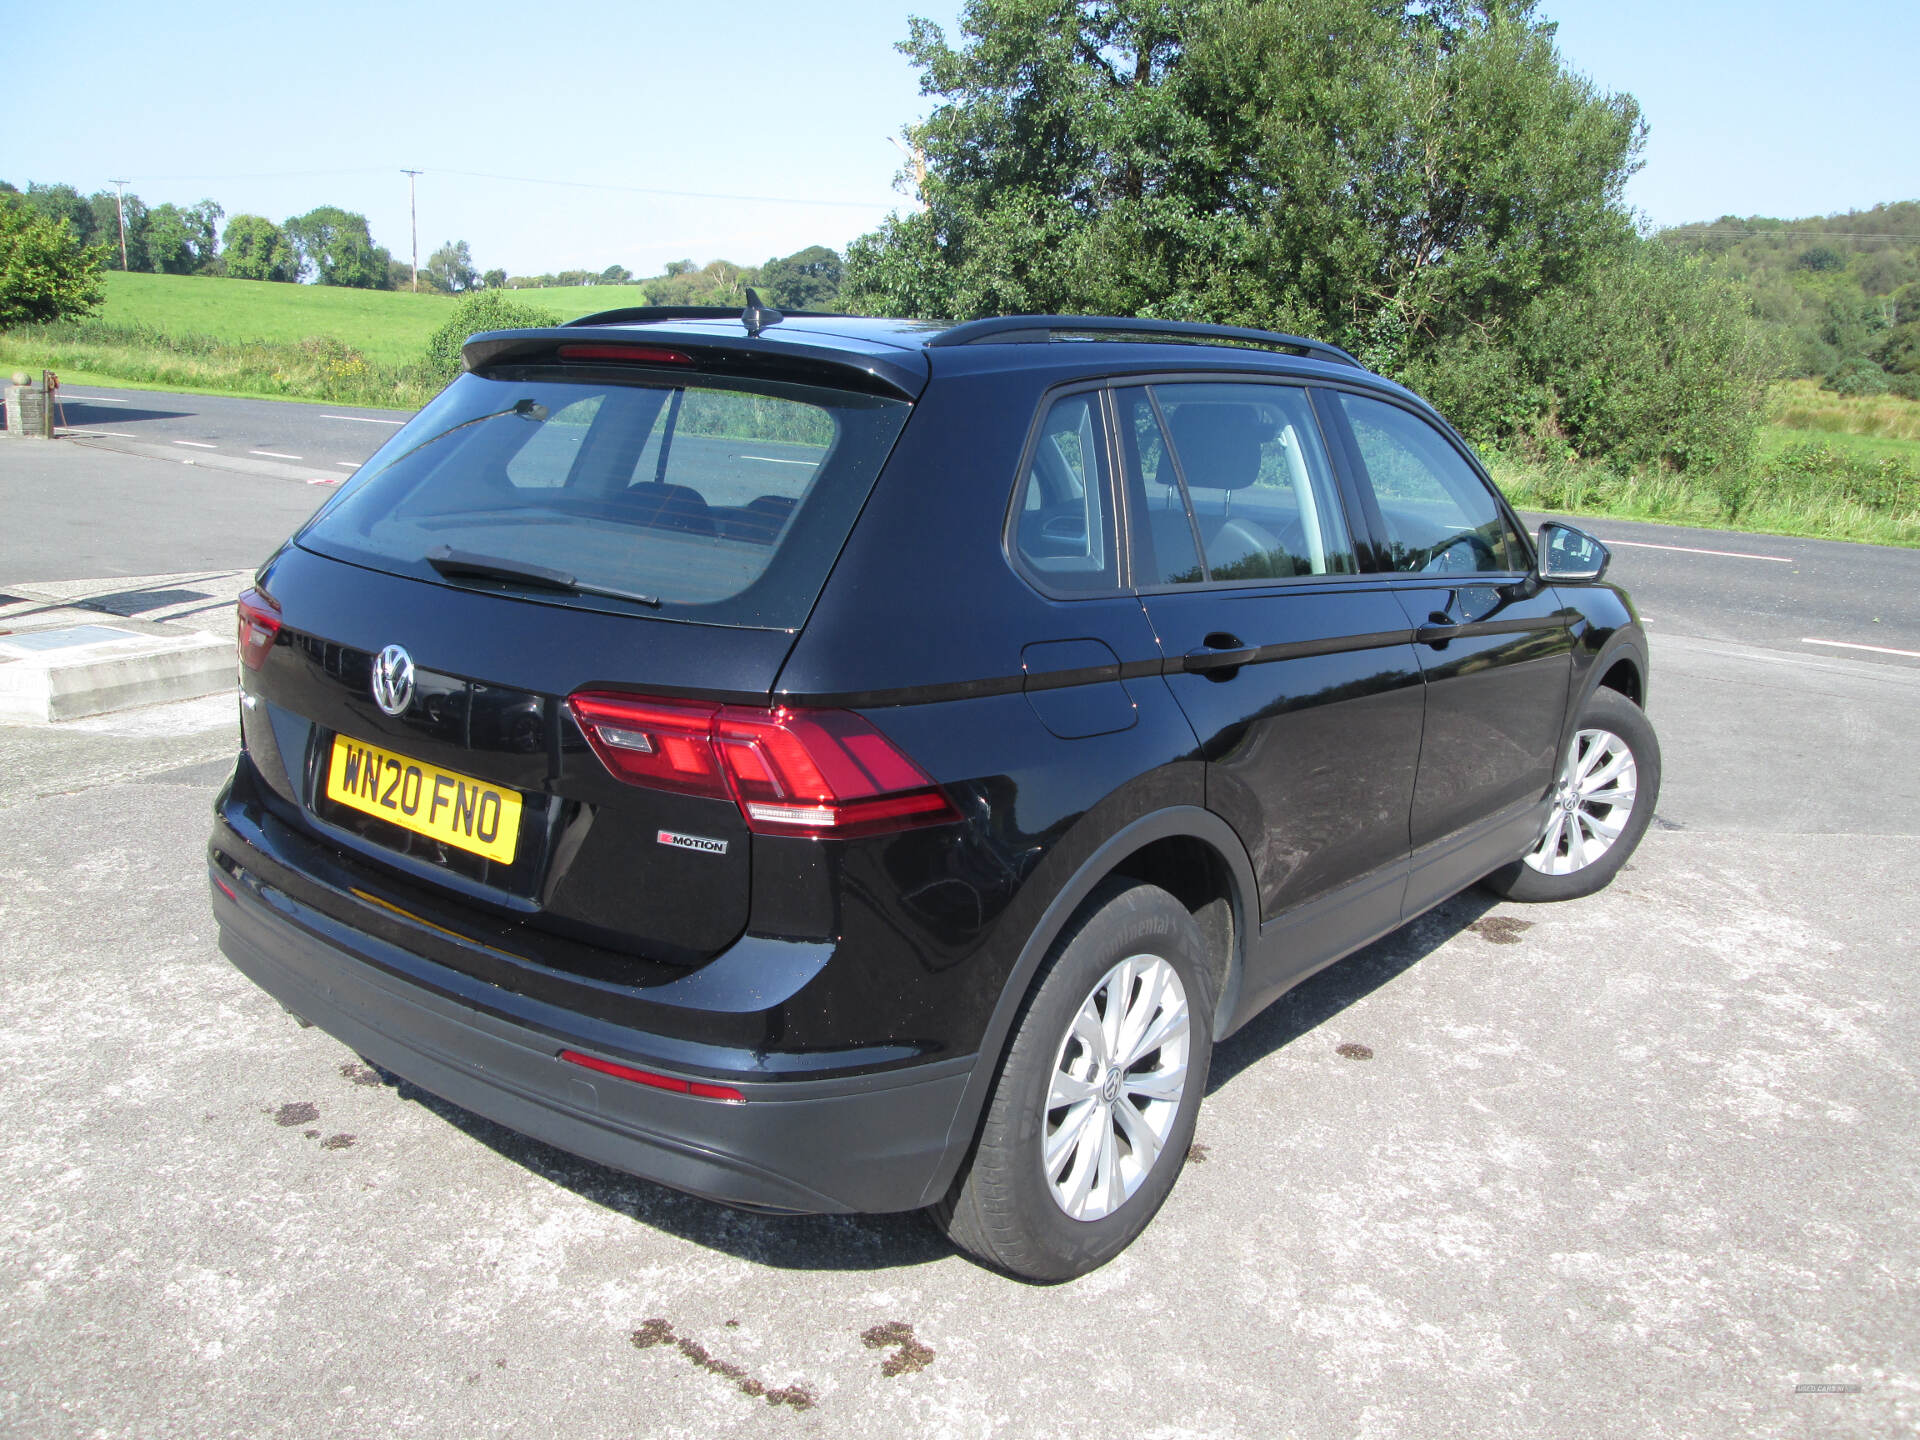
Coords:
pixel 1843 291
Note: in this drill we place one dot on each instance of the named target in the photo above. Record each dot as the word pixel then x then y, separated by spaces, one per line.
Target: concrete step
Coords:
pixel 66 671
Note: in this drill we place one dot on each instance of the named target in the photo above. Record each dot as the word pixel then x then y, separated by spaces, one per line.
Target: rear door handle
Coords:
pixel 1220 652
pixel 1440 628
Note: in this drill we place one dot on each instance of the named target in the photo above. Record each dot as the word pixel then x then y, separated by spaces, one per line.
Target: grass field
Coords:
pixel 388 327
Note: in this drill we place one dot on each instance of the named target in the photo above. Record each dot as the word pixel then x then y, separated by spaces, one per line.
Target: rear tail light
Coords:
pixel 631 354
pixel 699 1089
pixel 791 772
pixel 259 623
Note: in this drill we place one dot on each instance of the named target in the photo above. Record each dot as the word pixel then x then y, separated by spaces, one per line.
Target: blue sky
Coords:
pixel 1755 108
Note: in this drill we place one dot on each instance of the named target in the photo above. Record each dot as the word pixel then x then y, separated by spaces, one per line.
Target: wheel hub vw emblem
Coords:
pixel 1110 1088
pixel 393 680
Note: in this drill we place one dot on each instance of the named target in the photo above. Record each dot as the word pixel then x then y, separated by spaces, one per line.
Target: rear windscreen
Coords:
pixel 726 503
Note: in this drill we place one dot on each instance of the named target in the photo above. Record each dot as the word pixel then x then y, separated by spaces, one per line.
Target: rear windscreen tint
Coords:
pixel 726 501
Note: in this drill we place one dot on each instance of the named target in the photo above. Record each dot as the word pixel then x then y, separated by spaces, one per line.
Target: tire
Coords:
pixel 1612 766
pixel 1010 1207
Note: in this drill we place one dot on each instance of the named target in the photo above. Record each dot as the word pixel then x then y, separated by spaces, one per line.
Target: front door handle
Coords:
pixel 1220 652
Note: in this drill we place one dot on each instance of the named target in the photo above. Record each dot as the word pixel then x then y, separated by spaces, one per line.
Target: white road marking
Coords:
pixel 197 444
pixel 116 434
pixel 348 464
pixel 96 399
pixel 1876 649
pixel 1695 550
pixel 326 480
pixel 776 460
pixel 274 454
pixel 363 419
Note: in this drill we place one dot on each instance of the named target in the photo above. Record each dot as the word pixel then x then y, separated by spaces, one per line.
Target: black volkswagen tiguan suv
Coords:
pixel 837 764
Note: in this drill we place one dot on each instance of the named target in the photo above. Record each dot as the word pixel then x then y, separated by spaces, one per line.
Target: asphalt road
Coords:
pixel 329 440
pixel 1807 596
pixel 1642 1166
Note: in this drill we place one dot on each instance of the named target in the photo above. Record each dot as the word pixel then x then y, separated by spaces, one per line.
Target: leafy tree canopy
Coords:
pixel 335 247
pixel 1421 181
pixel 808 279
pixel 45 273
pixel 63 203
pixel 1361 169
pixel 450 268
pixel 256 249
pixel 183 241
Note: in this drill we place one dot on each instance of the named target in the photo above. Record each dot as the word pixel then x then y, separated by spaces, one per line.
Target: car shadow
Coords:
pixel 784 1242
pixel 1313 1002
pixel 874 1242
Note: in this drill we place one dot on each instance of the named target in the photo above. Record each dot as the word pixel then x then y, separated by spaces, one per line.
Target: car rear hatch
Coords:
pixel 648 524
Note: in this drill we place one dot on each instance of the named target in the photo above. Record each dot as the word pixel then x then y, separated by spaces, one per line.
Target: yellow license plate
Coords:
pixel 441 804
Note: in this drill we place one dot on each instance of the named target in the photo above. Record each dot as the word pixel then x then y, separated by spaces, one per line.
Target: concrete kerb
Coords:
pixel 70 649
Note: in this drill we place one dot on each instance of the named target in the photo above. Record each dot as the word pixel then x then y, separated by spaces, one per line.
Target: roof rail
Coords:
pixel 1041 329
pixel 641 314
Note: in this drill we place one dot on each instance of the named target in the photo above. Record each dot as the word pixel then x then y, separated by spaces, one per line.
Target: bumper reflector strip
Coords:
pixel 699 1089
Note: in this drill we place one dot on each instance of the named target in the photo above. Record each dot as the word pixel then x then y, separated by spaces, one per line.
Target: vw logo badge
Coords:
pixel 393 680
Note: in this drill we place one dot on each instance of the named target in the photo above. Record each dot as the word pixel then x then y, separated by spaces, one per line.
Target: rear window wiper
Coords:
pixel 451 562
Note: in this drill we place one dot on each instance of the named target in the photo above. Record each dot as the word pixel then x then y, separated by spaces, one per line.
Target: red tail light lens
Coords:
pixel 259 623
pixel 791 772
pixel 631 354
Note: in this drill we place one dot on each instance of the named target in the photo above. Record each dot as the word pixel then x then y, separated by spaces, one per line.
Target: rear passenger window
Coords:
pixel 1064 525
pixel 1440 516
pixel 1257 480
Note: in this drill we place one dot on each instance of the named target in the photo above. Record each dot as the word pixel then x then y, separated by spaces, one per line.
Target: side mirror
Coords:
pixel 1567 554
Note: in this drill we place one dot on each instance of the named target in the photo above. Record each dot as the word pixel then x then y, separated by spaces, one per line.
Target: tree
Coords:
pixel 183 242
pixel 45 273
pixel 1419 180
pixel 494 279
pixel 485 310
pixel 256 249
pixel 615 275
pixel 450 268
pixel 1365 170
pixel 808 279
pixel 63 203
pixel 334 247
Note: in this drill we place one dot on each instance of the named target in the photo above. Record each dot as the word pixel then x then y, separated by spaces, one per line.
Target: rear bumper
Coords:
pixel 873 1142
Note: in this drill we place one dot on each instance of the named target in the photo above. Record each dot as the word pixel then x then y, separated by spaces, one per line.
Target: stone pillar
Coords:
pixel 27 410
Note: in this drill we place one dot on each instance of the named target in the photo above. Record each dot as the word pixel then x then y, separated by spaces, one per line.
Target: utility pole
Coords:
pixel 413 214
pixel 121 206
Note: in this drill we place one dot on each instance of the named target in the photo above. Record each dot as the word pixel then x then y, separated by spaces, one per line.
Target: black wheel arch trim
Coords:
pixel 1175 822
